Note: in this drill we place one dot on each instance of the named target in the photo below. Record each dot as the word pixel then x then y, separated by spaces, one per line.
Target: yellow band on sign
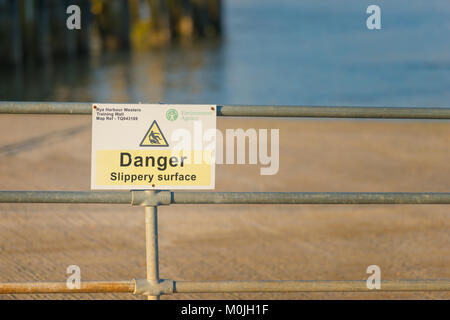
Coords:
pixel 155 168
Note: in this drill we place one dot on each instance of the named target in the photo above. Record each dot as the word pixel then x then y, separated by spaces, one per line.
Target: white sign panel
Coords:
pixel 153 146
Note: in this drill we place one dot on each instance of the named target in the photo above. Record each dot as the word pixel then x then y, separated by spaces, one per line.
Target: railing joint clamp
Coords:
pixel 153 288
pixel 150 198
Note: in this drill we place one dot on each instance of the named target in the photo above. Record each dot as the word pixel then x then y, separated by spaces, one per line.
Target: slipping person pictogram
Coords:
pixel 154 137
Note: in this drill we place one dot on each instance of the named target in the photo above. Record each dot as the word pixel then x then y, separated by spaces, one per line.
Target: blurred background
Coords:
pixel 309 52
pixel 227 52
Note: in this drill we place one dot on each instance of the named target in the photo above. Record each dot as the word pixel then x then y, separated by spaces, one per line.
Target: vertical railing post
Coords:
pixel 151 233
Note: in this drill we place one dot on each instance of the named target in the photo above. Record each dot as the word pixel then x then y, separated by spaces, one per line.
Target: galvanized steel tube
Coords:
pixel 152 257
pixel 19 107
pixel 308 198
pixel 166 197
pixel 334 112
pixel 65 197
pixel 13 107
pixel 308 286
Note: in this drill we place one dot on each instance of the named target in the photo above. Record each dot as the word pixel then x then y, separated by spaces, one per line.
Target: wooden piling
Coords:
pixel 200 17
pixel 160 22
pixel 63 43
pixel 86 25
pixel 112 20
pixel 121 12
pixel 10 32
pixel 17 52
pixel 42 36
pixel 28 30
pixel 215 14
pixel 181 19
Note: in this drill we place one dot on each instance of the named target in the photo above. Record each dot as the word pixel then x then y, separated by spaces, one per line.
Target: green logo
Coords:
pixel 172 114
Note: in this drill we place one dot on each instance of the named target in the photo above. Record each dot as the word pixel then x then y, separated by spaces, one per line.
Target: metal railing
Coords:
pixel 248 111
pixel 158 198
pixel 153 286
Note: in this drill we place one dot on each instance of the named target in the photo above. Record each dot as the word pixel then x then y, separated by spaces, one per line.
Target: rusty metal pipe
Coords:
pixel 61 287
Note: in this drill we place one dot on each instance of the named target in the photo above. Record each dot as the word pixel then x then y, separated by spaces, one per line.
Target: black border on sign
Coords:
pixel 148 131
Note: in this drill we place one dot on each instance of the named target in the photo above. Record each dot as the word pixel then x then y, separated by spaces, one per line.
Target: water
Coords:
pixel 289 52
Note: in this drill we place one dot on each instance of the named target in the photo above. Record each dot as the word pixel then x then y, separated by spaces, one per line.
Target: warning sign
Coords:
pixel 139 146
pixel 154 137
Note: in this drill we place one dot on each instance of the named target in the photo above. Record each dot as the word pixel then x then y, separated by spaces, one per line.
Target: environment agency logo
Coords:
pixel 172 114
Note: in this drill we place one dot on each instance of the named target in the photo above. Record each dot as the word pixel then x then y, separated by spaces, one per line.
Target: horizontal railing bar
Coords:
pixel 65 197
pixel 308 286
pixel 308 198
pixel 227 286
pixel 335 112
pixel 15 107
pixel 61 287
pixel 19 107
pixel 143 198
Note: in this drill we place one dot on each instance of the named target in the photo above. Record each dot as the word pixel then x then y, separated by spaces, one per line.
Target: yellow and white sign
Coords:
pixel 153 146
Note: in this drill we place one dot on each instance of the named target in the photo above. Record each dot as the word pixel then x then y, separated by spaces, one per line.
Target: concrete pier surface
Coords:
pixel 236 242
